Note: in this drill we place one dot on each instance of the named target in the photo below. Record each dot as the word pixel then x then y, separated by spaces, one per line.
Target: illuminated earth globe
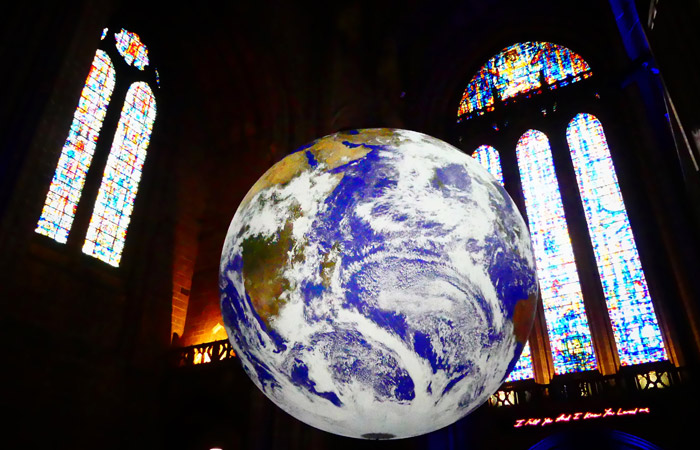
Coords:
pixel 378 284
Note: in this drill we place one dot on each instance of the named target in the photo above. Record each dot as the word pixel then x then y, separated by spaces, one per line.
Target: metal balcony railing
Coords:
pixel 207 353
pixel 649 378
pixel 642 378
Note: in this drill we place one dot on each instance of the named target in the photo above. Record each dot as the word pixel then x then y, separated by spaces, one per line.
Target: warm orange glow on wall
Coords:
pixel 187 229
pixel 183 267
pixel 218 332
pixel 204 321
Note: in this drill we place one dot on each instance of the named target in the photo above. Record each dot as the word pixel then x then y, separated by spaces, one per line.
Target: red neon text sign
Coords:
pixel 586 415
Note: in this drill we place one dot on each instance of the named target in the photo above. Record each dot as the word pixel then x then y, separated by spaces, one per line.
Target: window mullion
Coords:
pixel 593 300
pixel 92 180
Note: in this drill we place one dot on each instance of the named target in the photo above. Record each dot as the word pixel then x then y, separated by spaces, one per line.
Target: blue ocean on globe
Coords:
pixel 378 283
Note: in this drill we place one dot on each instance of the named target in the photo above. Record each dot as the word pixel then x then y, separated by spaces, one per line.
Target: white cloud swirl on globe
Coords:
pixel 444 292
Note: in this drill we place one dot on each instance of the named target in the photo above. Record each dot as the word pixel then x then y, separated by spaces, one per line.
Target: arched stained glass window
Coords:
pixel 519 72
pixel 519 69
pixel 106 231
pixel 567 324
pixel 115 200
pixel 68 180
pixel 490 160
pixel 634 322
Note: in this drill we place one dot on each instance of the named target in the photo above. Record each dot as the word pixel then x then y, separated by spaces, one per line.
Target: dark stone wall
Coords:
pixel 85 341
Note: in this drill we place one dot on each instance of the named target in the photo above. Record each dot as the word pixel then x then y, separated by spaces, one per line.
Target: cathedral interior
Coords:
pixel 125 347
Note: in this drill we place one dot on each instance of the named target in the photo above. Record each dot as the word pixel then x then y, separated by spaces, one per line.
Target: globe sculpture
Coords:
pixel 378 284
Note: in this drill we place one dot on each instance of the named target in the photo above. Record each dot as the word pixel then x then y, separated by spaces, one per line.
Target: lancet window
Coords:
pixel 523 71
pixel 106 233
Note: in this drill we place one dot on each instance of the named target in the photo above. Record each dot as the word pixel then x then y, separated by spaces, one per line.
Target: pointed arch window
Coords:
pixel 68 180
pixel 517 73
pixel 115 200
pixel 490 160
pixel 560 290
pixel 631 312
pixel 106 232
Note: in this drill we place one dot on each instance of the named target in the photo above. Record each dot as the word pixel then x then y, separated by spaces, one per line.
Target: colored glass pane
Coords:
pixel 115 200
pixel 523 368
pixel 519 69
pixel 68 180
pixel 490 160
pixel 567 325
pixel 634 322
pixel 131 48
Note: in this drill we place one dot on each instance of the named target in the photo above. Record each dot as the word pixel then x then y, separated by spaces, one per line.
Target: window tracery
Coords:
pixel 631 312
pixel 106 231
pixel 521 71
pixel 490 160
pixel 134 52
pixel 115 200
pixel 560 289
pixel 69 178
pixel 522 68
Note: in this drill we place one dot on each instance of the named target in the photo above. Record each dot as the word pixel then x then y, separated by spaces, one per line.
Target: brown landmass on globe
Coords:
pixel 264 259
pixel 279 174
pixel 523 316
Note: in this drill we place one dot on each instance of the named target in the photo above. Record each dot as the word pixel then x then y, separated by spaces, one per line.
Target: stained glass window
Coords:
pixel 490 160
pixel 115 200
pixel 567 324
pixel 68 180
pixel 523 369
pixel 634 322
pixel 519 69
pixel 129 45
